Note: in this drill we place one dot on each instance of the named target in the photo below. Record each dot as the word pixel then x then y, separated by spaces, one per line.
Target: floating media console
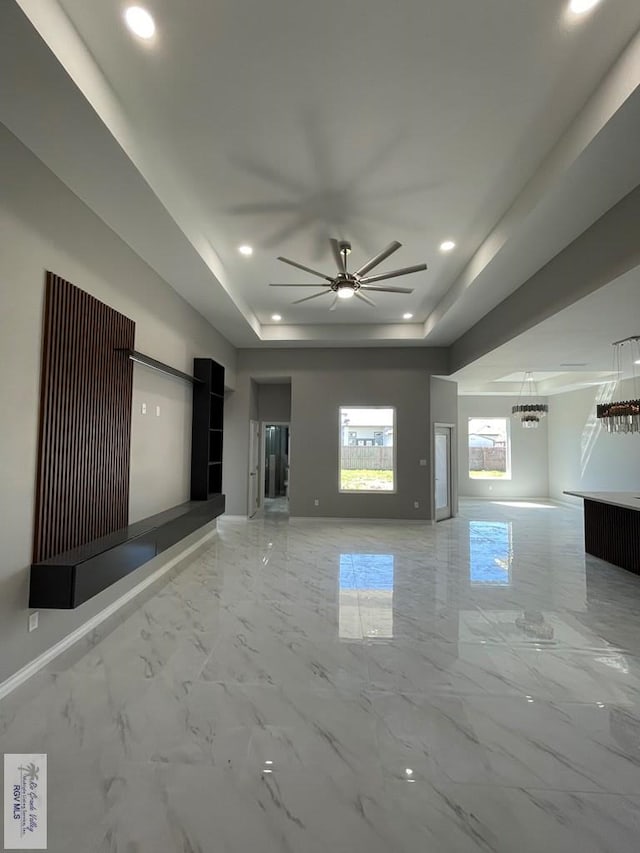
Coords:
pixel 69 579
pixel 82 541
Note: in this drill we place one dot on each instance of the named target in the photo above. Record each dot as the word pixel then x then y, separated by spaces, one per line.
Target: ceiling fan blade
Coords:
pixel 306 269
pixel 386 289
pixel 340 260
pixel 393 274
pixel 333 305
pixel 313 296
pixel 391 248
pixel 364 298
pixel 299 285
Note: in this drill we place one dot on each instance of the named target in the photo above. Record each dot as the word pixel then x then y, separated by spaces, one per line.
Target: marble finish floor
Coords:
pixel 315 686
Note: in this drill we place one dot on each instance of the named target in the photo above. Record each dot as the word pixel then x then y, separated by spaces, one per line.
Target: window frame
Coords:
pixel 508 477
pixel 394 455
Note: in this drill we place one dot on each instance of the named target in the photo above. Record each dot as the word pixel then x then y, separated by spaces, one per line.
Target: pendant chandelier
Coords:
pixel 623 415
pixel 528 413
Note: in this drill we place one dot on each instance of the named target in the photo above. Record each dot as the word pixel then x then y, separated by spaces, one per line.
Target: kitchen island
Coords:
pixel 612 527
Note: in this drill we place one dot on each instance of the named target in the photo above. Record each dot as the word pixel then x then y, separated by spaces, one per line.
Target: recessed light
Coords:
pixel 245 250
pixel 407 316
pixel 579 7
pixel 140 22
pixel 276 317
pixel 447 246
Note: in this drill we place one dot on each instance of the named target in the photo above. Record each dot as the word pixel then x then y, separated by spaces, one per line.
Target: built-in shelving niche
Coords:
pixel 207 429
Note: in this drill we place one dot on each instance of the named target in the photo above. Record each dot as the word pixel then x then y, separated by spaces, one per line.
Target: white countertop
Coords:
pixel 630 500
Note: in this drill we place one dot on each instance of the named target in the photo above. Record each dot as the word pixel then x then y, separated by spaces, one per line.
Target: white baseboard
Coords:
pixel 501 498
pixel 348 520
pixel 62 645
pixel 567 504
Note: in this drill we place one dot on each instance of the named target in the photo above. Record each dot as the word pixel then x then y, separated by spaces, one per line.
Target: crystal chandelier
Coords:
pixel 623 415
pixel 529 414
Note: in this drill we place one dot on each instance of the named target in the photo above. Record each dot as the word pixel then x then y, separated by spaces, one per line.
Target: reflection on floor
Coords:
pixel 314 686
pixel 490 552
pixel 276 507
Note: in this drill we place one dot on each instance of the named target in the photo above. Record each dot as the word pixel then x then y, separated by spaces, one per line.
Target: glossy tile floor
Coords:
pixel 313 686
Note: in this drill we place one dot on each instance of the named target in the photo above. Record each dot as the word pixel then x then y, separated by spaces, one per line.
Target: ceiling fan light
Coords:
pixel 345 292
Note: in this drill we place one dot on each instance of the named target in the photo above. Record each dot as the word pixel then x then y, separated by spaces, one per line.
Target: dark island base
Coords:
pixel 613 534
pixel 68 580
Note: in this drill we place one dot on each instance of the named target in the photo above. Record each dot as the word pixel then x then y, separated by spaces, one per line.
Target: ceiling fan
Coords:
pixel 347 284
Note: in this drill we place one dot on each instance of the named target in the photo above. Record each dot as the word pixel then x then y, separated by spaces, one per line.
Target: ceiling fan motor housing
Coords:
pixel 346 284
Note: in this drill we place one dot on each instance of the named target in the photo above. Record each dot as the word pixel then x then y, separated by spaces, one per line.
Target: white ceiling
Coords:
pixel 570 350
pixel 281 125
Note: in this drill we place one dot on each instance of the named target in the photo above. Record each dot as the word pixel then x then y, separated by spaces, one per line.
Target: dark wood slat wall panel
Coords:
pixel 613 534
pixel 82 489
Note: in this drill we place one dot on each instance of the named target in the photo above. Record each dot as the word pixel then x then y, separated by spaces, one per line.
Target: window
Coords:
pixel 367 449
pixel 489 449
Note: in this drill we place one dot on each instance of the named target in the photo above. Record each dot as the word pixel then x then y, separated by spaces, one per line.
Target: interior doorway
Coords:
pixel 275 455
pixel 443 436
pixel 254 469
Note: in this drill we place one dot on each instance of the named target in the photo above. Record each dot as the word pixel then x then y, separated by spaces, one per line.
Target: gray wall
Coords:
pixel 444 410
pixel 584 456
pixel 321 381
pixel 44 226
pixel 529 452
pixel 274 402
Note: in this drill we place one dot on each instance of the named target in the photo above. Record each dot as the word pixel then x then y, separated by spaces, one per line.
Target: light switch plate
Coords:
pixel 33 620
pixel 143 408
pixel 423 463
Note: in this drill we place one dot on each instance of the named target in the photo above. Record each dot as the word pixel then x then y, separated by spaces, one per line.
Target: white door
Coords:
pixel 254 468
pixel 443 472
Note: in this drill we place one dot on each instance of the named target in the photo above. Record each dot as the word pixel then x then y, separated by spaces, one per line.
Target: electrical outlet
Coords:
pixel 143 409
pixel 157 411
pixel 33 620
pixel 416 504
pixel 423 463
pixel 316 502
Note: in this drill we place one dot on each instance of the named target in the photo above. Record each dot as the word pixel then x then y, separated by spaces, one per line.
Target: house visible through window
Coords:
pixel 489 449
pixel 367 449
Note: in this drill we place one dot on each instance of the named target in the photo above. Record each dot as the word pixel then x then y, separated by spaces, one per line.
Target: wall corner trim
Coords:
pixel 24 674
